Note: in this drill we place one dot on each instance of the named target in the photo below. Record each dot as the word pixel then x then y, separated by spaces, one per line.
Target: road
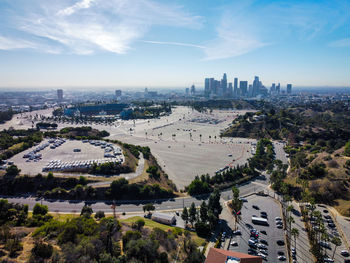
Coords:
pixel 64 206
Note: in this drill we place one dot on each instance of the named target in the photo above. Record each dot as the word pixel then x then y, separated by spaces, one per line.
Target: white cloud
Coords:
pixel 91 25
pixel 235 36
pixel 174 44
pixel 7 43
pixel 345 42
pixel 72 9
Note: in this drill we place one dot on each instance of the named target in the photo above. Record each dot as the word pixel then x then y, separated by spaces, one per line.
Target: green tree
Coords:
pixel 347 149
pixel 236 203
pixel 99 215
pixel 337 242
pixel 12 170
pixel 39 209
pixel 86 211
pixel 184 215
pixel 203 212
pixel 214 203
pixel 148 207
pixel 295 234
pixel 192 213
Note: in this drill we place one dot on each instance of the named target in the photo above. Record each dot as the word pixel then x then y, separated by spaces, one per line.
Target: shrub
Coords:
pixel 42 250
pixel 99 214
pixel 40 209
pixel 13 245
pixel 86 211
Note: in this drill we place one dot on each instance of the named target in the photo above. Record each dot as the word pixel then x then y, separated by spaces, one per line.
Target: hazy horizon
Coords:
pixel 154 43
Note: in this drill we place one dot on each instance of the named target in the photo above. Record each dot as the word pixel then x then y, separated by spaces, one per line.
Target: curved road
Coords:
pixel 64 206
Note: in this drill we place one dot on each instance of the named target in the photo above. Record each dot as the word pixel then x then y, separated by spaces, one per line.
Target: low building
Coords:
pixel 164 218
pixel 216 255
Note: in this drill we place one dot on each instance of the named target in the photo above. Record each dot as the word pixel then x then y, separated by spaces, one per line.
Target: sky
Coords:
pixel 155 44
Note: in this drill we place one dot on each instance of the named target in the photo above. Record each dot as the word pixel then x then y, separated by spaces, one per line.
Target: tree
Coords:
pixel 214 203
pixel 236 203
pixel 148 208
pixel 295 234
pixel 39 209
pixel 184 215
pixel 99 214
pixel 347 149
pixel 86 211
pixel 204 212
pixel 139 224
pixel 192 213
pixel 337 242
pixel 12 170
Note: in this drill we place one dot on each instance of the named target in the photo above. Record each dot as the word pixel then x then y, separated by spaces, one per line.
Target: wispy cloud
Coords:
pixel 91 25
pixel 7 43
pixel 174 44
pixel 77 6
pixel 340 43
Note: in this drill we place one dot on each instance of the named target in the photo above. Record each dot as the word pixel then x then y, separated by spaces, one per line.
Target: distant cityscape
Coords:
pixel 222 89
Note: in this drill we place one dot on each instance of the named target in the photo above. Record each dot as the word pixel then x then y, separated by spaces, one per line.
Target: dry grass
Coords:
pixel 343 207
pixel 16 146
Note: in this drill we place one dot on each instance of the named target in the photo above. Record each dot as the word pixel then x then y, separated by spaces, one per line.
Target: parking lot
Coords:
pixel 69 151
pixel 332 230
pixel 268 234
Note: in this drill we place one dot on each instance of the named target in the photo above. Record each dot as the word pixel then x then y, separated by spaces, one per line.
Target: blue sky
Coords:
pixel 138 43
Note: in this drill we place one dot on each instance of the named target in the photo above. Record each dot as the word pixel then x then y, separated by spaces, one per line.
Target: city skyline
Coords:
pixel 172 45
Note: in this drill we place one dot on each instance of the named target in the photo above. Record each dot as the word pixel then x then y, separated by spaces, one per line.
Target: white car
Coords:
pixel 234 243
pixel 262 255
pixel 344 253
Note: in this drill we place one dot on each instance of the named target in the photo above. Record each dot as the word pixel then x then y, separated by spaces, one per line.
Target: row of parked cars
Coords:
pixel 58 165
pixel 35 155
pixel 110 149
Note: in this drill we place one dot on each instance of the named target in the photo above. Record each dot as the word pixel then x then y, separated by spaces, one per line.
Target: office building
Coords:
pixel 235 87
pixel 256 85
pixel 289 88
pixel 243 85
pixel 217 255
pixel 206 87
pixel 118 93
pixel 59 94
pixel 273 88
pixel 278 88
pixel 187 91
pixel 223 85
pixel 193 90
pixel 230 90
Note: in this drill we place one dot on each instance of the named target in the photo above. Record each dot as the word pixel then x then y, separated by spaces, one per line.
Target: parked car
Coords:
pixel 237 232
pixel 344 253
pixel 281 258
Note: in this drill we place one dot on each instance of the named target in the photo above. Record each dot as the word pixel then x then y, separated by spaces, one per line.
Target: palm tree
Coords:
pixel 295 234
pixel 337 242
pixel 236 203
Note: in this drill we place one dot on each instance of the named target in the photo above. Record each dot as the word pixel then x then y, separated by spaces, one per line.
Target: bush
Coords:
pixel 40 209
pixel 138 224
pixel 86 211
pixel 42 250
pixel 202 229
pixel 99 214
pixel 347 149
pixel 13 245
pixel 12 170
